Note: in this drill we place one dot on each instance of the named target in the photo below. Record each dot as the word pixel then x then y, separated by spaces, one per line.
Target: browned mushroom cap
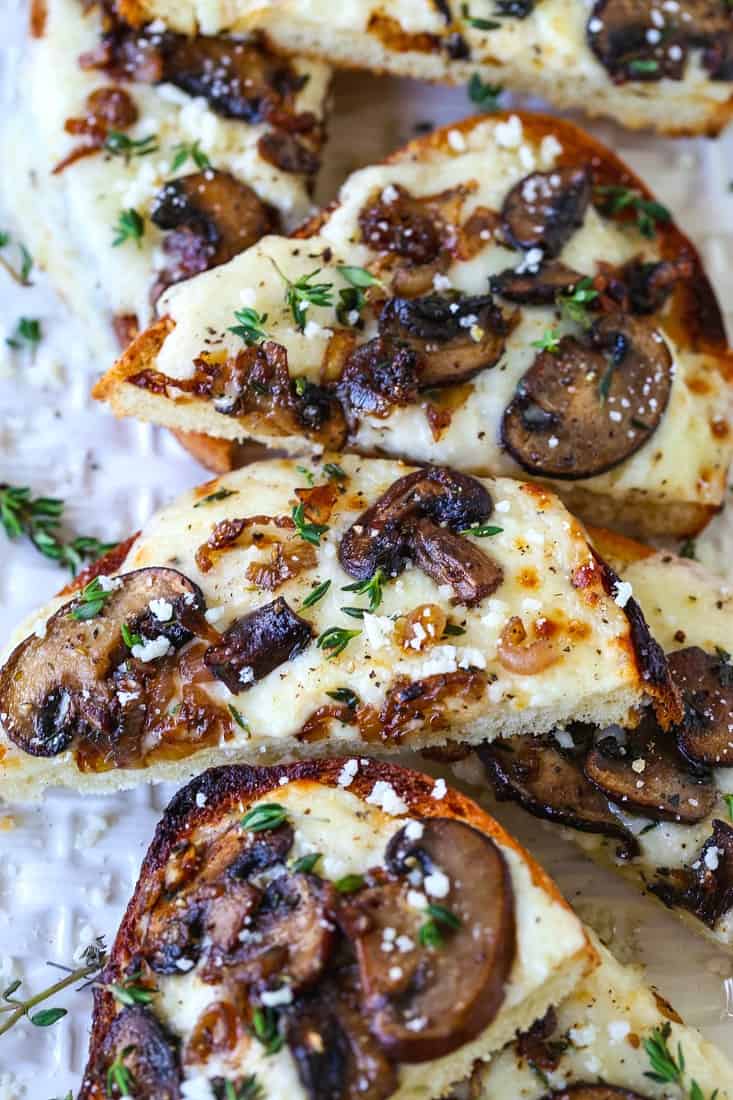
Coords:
pixel 401 224
pixel 146 1050
pixel 453 337
pixel 447 993
pixel 593 1092
pixel 59 687
pixel 214 218
pixel 544 209
pixel 536 287
pixel 586 408
pixel 618 33
pixel 549 783
pixel 289 153
pixel 380 538
pixel 376 377
pixel 256 644
pixel 649 285
pixel 451 559
pixel 238 78
pixel 705 887
pixel 290 934
pixel 649 777
pixel 336 1055
pixel 706 683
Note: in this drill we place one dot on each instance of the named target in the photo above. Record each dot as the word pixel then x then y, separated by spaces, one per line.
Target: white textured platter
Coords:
pixel 68 866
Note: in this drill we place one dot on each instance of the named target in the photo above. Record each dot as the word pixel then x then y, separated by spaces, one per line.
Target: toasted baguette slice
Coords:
pixel 646 447
pixel 552 48
pixel 603 1033
pixel 113 288
pixel 225 636
pixel 685 863
pixel 510 951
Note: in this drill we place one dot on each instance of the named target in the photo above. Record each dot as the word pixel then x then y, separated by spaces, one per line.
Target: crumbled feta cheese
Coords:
pixel 246 675
pixel 378 630
pixel 582 1036
pixel 196 1088
pixel 618 1030
pixel 185 964
pixel 457 141
pixel 638 766
pixel 508 134
pixel 151 649
pixel 441 282
pixel 622 593
pixel 347 773
pixel 414 830
pixel 390 193
pixel 564 739
pixel 109 584
pixel 201 799
pixel 273 997
pixel 437 884
pixel 162 610
pixel 711 858
pixel 440 790
pixel 313 330
pixel 385 796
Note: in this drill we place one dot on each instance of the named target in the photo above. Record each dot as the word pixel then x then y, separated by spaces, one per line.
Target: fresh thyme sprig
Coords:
pixel 22 275
pixel 475 21
pixel 28 333
pixel 251 325
pixel 183 151
pixel 431 933
pixel 648 212
pixel 309 532
pixel 484 95
pixel 668 1068
pixel 118 144
pixel 352 298
pixel 316 594
pixel 302 293
pixel 219 494
pixel 94 958
pixel 248 1088
pixel 238 717
pixel 119 1076
pixel 130 227
pixel 90 601
pixel 265 1029
pixel 335 639
pixel 129 637
pixel 128 992
pixel 549 342
pixel 373 588
pixel 574 306
pixel 39 519
pixel 268 815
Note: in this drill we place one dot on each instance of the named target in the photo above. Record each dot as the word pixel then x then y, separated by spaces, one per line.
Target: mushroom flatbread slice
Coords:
pixel 503 296
pixel 654 804
pixel 261 935
pixel 598 1045
pixel 643 64
pixel 153 157
pixel 341 603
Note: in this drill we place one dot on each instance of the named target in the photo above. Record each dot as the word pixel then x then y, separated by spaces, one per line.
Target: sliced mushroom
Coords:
pixel 587 407
pixel 290 934
pixel 445 996
pixel 451 559
pixel 583 1091
pixel 61 688
pixel 289 153
pixel 213 217
pixel 146 1050
pixel 336 1056
pixel 256 644
pixel 453 338
pixel 706 683
pixel 706 887
pixel 649 285
pixel 382 535
pixel 377 377
pixel 238 78
pixel 647 775
pixel 549 783
pixel 545 208
pixel 618 33
pixel 396 222
pixel 538 286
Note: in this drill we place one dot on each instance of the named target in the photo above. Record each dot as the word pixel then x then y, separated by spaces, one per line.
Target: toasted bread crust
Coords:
pixel 211 795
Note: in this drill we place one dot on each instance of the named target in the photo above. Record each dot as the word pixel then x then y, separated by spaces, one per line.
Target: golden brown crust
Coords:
pixel 221 456
pixel 139 354
pixel 618 550
pixel 224 789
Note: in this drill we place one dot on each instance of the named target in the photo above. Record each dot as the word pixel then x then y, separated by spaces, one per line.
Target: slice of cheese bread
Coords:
pixel 664 66
pixel 346 605
pixel 503 296
pixel 340 928
pixel 656 805
pixel 151 158
pixel 605 1042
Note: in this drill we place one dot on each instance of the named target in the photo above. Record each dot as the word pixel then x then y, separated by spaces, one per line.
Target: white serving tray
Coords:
pixel 67 867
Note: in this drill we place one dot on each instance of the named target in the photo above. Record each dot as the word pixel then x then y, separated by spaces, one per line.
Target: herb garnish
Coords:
pixel 648 211
pixel 309 532
pixel 335 640
pixel 303 293
pixel 90 601
pixel 316 594
pixel 26 261
pixel 248 1089
pixel 129 638
pixel 39 519
pixel 638 66
pixel 574 305
pixel 251 325
pixel 265 1028
pixel 431 932
pixel 220 494
pixel 307 474
pixel 549 342
pixel 93 959
pixel 372 587
pixel 479 24
pixel 349 884
pixel 352 298
pixel 28 333
pixel 306 864
pixel 484 95
pixel 453 630
pixel 130 227
pixel 268 815
pixel 118 144
pixel 346 696
pixel 128 993
pixel 237 716
pixel 728 799
pixel 482 531
pixel 119 1076
pixel 334 472
pixel 688 549
pixel 666 1068
pixel 183 151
